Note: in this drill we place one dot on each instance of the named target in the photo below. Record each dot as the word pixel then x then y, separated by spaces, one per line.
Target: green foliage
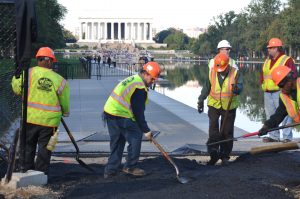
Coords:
pixel 161 36
pixel 175 39
pixel 50 32
pixel 249 31
pixel 68 36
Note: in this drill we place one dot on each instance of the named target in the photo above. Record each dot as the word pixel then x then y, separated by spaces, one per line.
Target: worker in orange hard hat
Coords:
pixel 225 48
pixel 222 87
pixel 284 78
pixel 124 115
pixel 48 101
pixel 46 52
pixel 275 59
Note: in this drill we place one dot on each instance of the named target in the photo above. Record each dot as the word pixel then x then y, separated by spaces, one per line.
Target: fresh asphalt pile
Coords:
pixel 273 175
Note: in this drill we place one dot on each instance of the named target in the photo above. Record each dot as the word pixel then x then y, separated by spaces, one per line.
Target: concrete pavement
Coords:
pixel 179 124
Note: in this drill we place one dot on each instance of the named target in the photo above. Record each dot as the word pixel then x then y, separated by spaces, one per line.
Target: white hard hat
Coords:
pixel 224 44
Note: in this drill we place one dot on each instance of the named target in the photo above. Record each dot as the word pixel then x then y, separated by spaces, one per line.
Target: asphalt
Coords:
pixel 179 124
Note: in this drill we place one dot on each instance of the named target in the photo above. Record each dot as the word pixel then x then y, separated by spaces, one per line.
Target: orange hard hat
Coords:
pixel 274 42
pixel 279 73
pixel 46 52
pixel 221 61
pixel 153 69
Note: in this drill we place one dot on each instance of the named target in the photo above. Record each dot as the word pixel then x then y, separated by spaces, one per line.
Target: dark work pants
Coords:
pixel 122 130
pixel 220 150
pixel 38 135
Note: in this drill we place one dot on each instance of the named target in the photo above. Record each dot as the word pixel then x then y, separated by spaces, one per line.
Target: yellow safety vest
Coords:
pixel 268 84
pixel 219 97
pixel 292 107
pixel 48 96
pixel 118 103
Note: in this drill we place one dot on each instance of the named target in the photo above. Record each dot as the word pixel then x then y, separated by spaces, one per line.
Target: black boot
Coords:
pixel 214 157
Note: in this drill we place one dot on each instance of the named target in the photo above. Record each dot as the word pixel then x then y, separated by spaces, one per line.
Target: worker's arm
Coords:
pixel 16 84
pixel 138 99
pixel 205 90
pixel 238 87
pixel 64 98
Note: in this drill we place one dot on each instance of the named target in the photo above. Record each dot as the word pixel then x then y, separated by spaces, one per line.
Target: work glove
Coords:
pixel 200 106
pixel 235 89
pixel 263 130
pixel 148 135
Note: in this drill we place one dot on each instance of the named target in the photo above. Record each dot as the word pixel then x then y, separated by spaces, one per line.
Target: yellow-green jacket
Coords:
pixel 48 96
pixel 118 103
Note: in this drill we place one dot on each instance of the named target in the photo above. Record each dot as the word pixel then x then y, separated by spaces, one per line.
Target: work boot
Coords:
pixel 225 161
pixel 108 175
pixel 286 140
pixel 134 171
pixel 213 160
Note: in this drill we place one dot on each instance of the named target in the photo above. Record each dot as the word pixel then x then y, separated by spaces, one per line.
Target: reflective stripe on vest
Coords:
pixel 44 107
pixel 292 107
pixel 61 87
pixel 118 103
pixel 220 96
pixel 268 84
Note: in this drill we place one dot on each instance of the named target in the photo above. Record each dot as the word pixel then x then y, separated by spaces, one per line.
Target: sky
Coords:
pixel 177 13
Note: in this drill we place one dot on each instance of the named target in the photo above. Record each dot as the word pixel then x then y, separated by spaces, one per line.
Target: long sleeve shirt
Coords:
pixel 138 106
pixel 280 112
pixel 207 86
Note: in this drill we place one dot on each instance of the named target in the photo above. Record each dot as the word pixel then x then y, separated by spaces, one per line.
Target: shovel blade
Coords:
pixel 84 165
pixel 183 180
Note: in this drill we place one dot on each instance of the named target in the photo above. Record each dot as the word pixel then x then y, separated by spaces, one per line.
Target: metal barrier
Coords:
pixel 73 70
pixel 113 70
pixel 10 104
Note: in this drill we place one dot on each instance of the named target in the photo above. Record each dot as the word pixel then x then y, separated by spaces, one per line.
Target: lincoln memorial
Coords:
pixel 111 30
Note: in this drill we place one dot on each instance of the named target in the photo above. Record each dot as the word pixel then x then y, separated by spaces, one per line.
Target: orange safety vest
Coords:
pixel 292 107
pixel 219 96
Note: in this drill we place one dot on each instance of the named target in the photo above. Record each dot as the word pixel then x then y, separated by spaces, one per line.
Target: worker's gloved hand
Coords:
pixel 200 106
pixel 235 89
pixel 148 135
pixel 263 130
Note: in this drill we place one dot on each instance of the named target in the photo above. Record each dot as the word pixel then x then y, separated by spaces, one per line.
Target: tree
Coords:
pixel 69 37
pixel 50 32
pixel 162 35
pixel 177 40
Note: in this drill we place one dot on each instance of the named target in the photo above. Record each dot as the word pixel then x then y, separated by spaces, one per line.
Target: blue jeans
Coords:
pixel 122 130
pixel 271 103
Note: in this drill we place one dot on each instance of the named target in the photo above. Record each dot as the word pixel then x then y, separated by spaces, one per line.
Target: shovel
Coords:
pixel 255 133
pixel 76 147
pixel 181 179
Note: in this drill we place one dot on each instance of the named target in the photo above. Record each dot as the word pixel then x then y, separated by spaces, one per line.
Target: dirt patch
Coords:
pixel 264 176
pixel 29 192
